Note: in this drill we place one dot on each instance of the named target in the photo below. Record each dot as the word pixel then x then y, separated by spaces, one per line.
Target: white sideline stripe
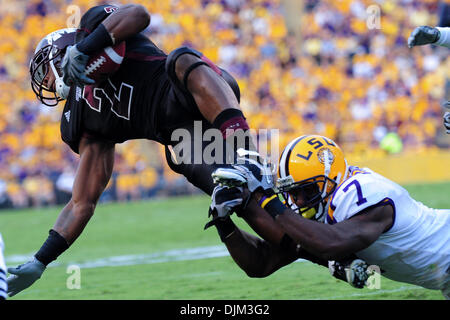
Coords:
pixel 139 259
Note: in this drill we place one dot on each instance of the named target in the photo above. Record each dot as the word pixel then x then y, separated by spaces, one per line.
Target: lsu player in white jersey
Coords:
pixel 3 285
pixel 333 210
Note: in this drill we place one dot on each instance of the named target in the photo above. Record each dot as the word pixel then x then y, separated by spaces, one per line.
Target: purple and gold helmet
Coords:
pixel 49 54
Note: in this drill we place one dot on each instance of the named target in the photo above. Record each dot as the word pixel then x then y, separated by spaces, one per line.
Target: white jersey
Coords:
pixel 3 285
pixel 416 248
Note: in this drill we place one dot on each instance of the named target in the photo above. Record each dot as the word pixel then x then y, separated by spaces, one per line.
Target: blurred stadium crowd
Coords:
pixel 341 79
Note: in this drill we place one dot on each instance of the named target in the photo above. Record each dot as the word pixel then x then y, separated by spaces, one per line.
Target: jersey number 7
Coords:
pixel 361 199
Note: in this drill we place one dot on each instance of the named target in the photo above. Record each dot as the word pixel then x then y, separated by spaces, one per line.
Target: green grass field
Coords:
pixel 159 250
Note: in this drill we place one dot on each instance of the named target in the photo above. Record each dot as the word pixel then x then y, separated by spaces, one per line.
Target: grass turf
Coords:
pixel 124 229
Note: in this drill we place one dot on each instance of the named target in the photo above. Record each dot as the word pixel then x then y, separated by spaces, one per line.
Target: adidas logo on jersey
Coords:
pixel 78 94
pixel 67 115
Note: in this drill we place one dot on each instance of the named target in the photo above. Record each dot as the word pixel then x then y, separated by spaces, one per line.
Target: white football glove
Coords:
pixel 251 170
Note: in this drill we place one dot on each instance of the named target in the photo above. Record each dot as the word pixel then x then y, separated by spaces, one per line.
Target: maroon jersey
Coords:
pixel 125 106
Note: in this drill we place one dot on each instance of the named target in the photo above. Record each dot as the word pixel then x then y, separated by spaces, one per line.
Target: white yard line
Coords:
pixel 137 259
pixel 371 293
pixel 158 257
pixel 177 255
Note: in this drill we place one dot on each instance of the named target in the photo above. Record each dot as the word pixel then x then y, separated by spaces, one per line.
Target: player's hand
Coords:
pixel 224 201
pixel 73 67
pixel 354 272
pixel 24 276
pixel 447 117
pixel 251 171
pixel 423 35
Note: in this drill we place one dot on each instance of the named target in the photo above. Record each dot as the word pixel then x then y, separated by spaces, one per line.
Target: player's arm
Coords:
pixel 257 257
pixel 110 25
pixel 328 242
pixel 123 23
pixel 127 21
pixel 338 241
pixel 260 257
pixel 92 176
pixel 93 173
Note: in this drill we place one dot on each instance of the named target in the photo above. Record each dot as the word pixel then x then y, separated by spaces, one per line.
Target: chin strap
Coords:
pixel 62 89
pixel 320 215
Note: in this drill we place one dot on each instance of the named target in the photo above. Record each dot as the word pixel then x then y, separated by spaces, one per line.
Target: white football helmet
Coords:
pixel 49 54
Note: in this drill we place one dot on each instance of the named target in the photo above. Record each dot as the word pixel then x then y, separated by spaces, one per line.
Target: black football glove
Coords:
pixel 423 35
pixel 251 171
pixel 225 201
pixel 354 272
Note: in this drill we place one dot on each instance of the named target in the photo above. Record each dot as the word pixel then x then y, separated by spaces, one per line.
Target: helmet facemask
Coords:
pixel 45 59
pixel 48 56
pixel 313 193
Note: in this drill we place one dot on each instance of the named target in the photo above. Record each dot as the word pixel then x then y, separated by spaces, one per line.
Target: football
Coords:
pixel 105 63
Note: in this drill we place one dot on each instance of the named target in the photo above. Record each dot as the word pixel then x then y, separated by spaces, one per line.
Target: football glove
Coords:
pixel 447 117
pixel 73 67
pixel 251 171
pixel 24 276
pixel 354 272
pixel 224 201
pixel 423 35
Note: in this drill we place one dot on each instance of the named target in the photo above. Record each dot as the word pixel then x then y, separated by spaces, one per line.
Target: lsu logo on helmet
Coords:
pixel 310 168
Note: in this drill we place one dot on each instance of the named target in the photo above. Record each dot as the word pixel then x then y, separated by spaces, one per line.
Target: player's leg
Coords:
pixel 214 92
pixel 182 158
pixel 213 89
pixel 199 174
pixel 185 101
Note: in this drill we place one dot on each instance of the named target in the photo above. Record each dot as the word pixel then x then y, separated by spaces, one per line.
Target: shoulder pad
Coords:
pixel 355 194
